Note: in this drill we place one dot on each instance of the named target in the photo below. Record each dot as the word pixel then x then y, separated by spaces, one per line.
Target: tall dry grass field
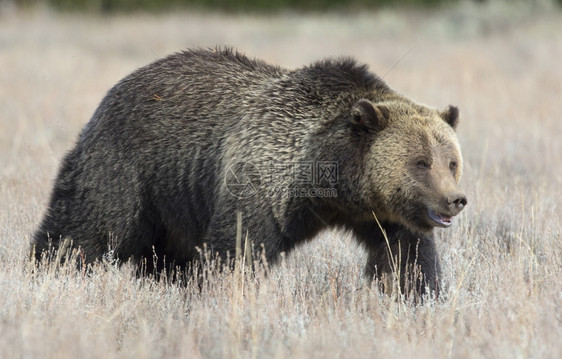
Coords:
pixel 502 258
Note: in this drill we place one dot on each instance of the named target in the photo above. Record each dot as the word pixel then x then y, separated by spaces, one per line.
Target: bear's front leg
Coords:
pixel 407 256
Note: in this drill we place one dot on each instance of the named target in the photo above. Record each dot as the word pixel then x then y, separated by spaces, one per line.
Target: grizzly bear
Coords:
pixel 182 149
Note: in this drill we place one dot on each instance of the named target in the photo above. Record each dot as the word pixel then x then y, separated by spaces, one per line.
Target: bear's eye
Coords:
pixel 453 165
pixel 422 164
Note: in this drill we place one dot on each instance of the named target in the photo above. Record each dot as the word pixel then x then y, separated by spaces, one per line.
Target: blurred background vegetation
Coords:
pixel 110 6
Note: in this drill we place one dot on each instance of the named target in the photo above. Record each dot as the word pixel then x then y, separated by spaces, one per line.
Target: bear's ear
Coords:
pixel 451 116
pixel 366 116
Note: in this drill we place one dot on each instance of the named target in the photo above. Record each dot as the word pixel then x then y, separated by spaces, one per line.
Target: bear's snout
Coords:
pixel 456 202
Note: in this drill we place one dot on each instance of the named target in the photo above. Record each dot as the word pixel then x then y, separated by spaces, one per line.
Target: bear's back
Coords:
pixel 202 87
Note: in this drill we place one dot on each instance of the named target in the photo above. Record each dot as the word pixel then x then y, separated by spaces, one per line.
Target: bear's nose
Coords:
pixel 456 202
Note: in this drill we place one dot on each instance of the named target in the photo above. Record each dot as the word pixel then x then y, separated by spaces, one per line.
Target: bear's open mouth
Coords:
pixel 440 218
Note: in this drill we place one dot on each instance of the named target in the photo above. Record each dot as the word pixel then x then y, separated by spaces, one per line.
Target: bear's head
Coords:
pixel 413 162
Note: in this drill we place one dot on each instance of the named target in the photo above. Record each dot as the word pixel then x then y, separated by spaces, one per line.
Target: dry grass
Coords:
pixel 502 259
